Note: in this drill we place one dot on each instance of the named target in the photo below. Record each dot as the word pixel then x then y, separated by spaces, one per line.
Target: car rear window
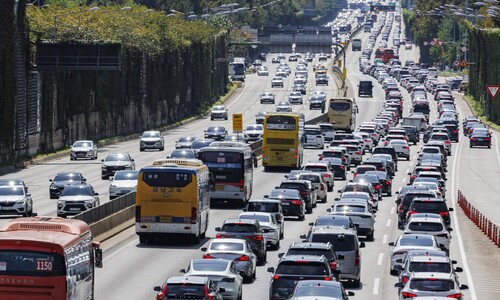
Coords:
pixel 432 284
pixel 263 207
pixel 340 242
pixel 429 206
pixel 302 268
pixel 317 168
pixel 425 226
pixel 350 208
pixel 408 199
pixel 412 241
pixel 430 267
pixel 239 228
pixel 311 178
pixel 182 291
pixel 316 252
pixel 226 246
pixel 293 186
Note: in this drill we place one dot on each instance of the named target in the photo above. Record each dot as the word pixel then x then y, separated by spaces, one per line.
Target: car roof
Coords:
pixel 187 279
pixel 312 258
pixel 311 245
pixel 247 221
pixel 274 201
pixel 429 258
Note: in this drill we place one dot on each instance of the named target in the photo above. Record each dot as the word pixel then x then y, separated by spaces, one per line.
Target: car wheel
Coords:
pixel 344 177
pixel 330 188
pixel 470 145
pixel 370 237
pixel 356 282
pixel 276 246
pixel 104 177
pixel 261 260
pixel 325 199
pixel 408 157
pixel 309 210
pixel 141 149
pixel 389 193
pixel 302 217
pixel 393 273
pixel 211 118
pixel 71 158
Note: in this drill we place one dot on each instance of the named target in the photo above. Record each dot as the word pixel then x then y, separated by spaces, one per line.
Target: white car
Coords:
pixel 361 214
pixel 402 148
pixel 263 71
pixel 266 221
pixel 322 167
pixel 277 81
pixel 151 140
pixel 123 182
pixel 431 226
pixel 219 112
pixel 83 149
pixel 222 271
pixel 15 200
pixel 253 132
pixel 313 137
pixel 408 242
pixel 284 106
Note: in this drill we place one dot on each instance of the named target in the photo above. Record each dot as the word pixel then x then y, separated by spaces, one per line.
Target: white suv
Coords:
pixel 313 137
pixel 152 140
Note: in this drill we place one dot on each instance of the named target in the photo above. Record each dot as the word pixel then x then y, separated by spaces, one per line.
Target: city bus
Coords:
pixel 342 113
pixel 282 142
pixel 47 258
pixel 173 198
pixel 231 165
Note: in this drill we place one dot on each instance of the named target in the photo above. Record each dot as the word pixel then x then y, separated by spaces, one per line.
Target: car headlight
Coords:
pixel 128 166
pixel 53 187
pixel 22 201
pixel 61 203
pixel 103 167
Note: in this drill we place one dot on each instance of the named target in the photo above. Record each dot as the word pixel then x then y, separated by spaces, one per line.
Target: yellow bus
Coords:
pixel 173 198
pixel 282 141
pixel 342 113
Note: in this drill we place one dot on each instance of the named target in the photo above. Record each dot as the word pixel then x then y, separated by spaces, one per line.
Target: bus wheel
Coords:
pixel 197 238
pixel 203 235
pixel 143 239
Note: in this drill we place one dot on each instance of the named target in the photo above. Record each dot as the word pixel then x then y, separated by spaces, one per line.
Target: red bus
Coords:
pixel 47 258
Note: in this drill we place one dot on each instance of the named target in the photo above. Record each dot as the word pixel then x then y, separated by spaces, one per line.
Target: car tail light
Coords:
pixel 243 258
pixel 387 182
pixel 342 159
pixel 218 236
pixel 333 265
pixel 472 139
pixel 303 193
pixel 408 295
pixel 444 214
pixel 161 295
pixel 377 187
pixel 341 167
pixel 374 134
pixel 296 202
pixel 368 140
pixel 455 131
pixel 207 294
pixel 194 215
pixel 357 260
pixel 276 277
pixel 322 188
pixel 455 296
pixel 256 237
pixel 411 212
pixel 321 157
pixel 328 278
pixel 401 209
pixel 405 279
pixel 242 185
pixel 381 169
pixel 487 139
pixel 207 256
pixel 447 142
pixel 407 147
pixel 355 175
pixel 357 153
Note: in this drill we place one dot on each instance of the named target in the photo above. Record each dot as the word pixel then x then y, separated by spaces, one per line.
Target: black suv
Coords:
pixel 294 268
pixel 246 229
pixel 431 205
pixel 305 189
pixel 387 150
pixel 365 88
pixel 317 249
pixel 291 201
pixel 412 133
pixel 62 179
pixel 405 202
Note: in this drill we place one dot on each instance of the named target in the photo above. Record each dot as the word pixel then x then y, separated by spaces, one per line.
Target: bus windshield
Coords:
pixel 30 263
pixel 166 179
pixel 281 123
pixel 340 106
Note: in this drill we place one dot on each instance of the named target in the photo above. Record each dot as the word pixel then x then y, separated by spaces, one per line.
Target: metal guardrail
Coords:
pixel 107 209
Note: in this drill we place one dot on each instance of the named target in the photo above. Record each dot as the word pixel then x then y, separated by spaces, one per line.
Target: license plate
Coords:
pixel 219 188
pixel 74 209
pixel 165 219
pixel 278 158
pixel 285 203
pixel 479 139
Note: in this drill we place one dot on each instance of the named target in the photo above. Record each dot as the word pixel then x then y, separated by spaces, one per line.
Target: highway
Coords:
pixel 131 269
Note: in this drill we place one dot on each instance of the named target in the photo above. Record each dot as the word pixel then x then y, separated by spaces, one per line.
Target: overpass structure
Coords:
pixel 286 39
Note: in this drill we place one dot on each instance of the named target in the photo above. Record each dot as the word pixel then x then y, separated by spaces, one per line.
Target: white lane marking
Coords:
pixel 376 284
pixel 388 224
pixel 380 259
pixel 38 197
pixel 404 179
pixel 393 210
pixel 385 238
pixel 454 185
pixel 498 151
pixel 236 99
pixel 411 163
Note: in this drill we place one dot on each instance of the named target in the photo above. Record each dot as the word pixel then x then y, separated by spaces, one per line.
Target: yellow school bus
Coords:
pixel 282 141
pixel 173 198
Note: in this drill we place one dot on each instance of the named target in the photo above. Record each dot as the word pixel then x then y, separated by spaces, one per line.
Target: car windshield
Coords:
pixel 226 246
pixel 117 157
pixel 12 191
pixel 185 290
pixel 430 267
pixel 439 137
pixel 185 139
pixel 263 207
pixel 340 242
pixel 318 291
pixel 293 186
pixel 150 134
pixel 350 208
pixel 68 177
pixel 258 218
pixel 82 144
pixel 432 285
pixel 182 154
pixel 420 241
pixel 302 268
pixel 425 226
pixel 311 251
pixel 215 129
pixel 128 175
pixel 239 227
pixel 77 190
pixel 218 108
pixel 255 127
pixel 209 265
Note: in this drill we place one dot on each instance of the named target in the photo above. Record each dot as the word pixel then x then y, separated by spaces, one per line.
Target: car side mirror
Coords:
pixel 303 236
pixel 311 224
pixel 450 209
pixel 329 209
pixel 362 244
pixel 350 293
pixel 111 178
pixel 182 271
pixel 454 262
pixel 221 290
pixel 217 229
pixel 270 269
pixel 157 288
pixel 340 256
pixel 450 229
pixel 280 255
pixel 391 244
pixel 399 285
pixel 464 287
pixel 96 194
pixel 286 176
pixel 265 230
pixel 459 270
pixel 397 192
pixel 50 180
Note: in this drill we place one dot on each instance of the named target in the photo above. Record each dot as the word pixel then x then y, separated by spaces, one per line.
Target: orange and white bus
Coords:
pixel 47 258
pixel 282 141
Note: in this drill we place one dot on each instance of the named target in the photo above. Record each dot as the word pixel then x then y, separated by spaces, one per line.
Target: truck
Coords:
pixel 239 68
pixel 356 44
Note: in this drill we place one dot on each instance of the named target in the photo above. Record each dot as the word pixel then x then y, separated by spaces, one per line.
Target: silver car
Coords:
pixel 221 271
pixel 284 106
pixel 83 149
pixel 123 183
pixel 431 284
pixel 406 242
pixel 236 250
pixel 427 263
pixel 431 226
pixel 322 167
pixel 266 221
pixel 76 198
pixel 15 200
pixel 185 142
pixel 152 139
pixel 270 206
pixel 219 112
pixel 115 162
pixel 361 214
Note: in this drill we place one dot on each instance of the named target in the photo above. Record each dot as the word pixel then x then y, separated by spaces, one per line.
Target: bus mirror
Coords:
pixel 212 182
pixel 255 162
pixel 98 258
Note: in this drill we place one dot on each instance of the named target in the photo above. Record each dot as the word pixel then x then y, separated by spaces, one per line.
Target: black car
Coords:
pixel 322 79
pixel 260 116
pixel 294 268
pixel 317 249
pixel 430 205
pixel 403 204
pixel 480 138
pixel 385 181
pixel 338 165
pixel 317 102
pixel 217 133
pixel 305 189
pixel 365 88
pixel 62 179
pixel 373 180
pixel 412 134
pixel 291 202
pixel 183 153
